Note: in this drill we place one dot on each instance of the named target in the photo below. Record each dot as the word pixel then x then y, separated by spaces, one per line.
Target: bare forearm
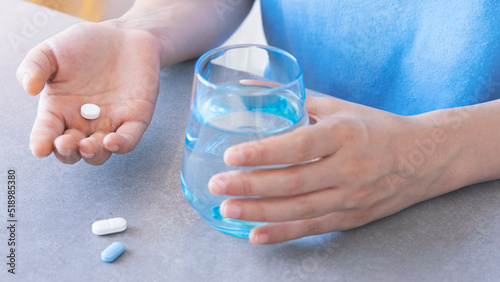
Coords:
pixel 186 28
pixel 467 142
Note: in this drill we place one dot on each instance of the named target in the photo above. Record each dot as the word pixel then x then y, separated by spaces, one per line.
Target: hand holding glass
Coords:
pixel 240 93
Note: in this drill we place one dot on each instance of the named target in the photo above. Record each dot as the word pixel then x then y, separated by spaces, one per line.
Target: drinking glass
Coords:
pixel 240 93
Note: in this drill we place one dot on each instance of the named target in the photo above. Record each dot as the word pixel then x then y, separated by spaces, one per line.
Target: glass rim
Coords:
pixel 214 86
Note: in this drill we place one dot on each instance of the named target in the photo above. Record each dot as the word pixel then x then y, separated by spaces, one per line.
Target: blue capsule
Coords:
pixel 112 252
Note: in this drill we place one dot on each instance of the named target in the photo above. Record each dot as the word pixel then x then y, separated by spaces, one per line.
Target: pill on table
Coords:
pixel 108 226
pixel 90 111
pixel 112 252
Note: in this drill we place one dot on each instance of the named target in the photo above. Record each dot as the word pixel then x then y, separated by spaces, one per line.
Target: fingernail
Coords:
pixel 217 185
pixel 86 145
pixel 26 77
pixel 113 148
pixel 87 156
pixel 231 210
pixel 260 239
pixel 65 153
pixel 234 157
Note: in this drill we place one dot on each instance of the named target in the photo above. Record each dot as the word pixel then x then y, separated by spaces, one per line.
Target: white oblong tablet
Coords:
pixel 108 226
pixel 90 111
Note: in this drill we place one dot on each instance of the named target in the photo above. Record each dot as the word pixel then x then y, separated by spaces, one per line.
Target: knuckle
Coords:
pixel 350 202
pixel 245 183
pixel 293 183
pixel 304 145
pixel 359 218
pixel 259 212
pixel 305 208
pixel 258 151
pixel 254 151
pixel 349 131
pixel 314 227
pixel 360 198
pixel 347 201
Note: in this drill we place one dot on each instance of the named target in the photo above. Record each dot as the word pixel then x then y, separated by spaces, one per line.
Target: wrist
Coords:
pixel 459 156
pixel 431 152
pixel 158 41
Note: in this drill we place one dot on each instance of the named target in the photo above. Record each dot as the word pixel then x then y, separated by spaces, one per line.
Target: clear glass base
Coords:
pixel 212 216
pixel 237 228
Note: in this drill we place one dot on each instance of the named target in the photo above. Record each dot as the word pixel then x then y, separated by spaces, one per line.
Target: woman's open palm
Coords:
pixel 100 63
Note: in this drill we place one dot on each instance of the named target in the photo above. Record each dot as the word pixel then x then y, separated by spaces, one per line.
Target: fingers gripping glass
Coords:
pixel 240 93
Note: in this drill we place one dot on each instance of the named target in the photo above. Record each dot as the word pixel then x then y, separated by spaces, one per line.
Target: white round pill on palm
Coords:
pixel 90 111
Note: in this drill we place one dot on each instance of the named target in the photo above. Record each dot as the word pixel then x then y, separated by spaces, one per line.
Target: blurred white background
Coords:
pixel 250 30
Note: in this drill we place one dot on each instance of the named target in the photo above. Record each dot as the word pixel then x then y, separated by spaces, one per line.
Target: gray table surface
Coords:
pixel 455 237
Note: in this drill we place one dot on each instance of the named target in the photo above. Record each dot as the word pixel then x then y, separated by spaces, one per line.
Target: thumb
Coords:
pixel 37 68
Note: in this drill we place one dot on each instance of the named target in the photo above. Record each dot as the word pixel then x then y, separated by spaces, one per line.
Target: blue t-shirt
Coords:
pixel 406 57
